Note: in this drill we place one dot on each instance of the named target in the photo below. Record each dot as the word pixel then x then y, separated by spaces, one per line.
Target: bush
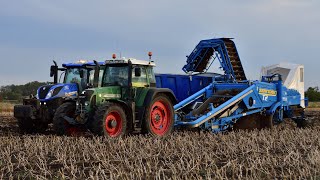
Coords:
pixel 313 94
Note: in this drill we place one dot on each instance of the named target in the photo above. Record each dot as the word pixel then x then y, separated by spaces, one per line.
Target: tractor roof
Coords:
pixel 80 63
pixel 133 61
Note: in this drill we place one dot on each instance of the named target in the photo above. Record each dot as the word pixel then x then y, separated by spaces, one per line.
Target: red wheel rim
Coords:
pixel 160 118
pixel 113 124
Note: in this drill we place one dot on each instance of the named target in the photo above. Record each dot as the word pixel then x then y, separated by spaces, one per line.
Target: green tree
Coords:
pixel 17 92
pixel 313 94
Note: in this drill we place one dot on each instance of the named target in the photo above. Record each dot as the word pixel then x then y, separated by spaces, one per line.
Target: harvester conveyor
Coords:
pixel 234 102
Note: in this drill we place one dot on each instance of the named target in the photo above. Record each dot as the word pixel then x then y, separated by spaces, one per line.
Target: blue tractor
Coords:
pixel 231 101
pixel 37 112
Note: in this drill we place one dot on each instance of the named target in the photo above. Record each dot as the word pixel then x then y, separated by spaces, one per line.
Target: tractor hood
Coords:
pixel 50 92
pixel 110 92
pixel 97 96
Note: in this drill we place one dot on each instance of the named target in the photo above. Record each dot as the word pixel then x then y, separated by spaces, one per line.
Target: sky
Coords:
pixel 266 32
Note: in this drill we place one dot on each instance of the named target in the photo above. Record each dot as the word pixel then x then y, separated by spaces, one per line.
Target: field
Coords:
pixel 314 105
pixel 6 108
pixel 283 152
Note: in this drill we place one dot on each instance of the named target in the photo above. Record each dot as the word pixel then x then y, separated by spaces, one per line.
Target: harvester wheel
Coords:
pixel 25 125
pixel 110 121
pixel 254 121
pixel 158 120
pixel 62 126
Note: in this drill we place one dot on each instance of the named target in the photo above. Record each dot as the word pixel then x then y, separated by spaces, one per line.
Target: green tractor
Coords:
pixel 127 102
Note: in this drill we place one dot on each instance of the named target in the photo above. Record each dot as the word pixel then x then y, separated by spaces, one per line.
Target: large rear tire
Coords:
pixel 110 120
pixel 158 120
pixel 62 126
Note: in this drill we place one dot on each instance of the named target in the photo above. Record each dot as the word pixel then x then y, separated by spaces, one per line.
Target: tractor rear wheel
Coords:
pixel 158 120
pixel 254 121
pixel 60 125
pixel 110 120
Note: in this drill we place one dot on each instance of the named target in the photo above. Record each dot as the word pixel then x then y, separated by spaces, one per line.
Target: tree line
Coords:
pixel 313 94
pixel 18 92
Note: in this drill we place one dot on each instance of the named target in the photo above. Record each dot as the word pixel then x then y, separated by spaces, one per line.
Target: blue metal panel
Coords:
pixel 197 84
pixel 67 90
pixel 158 81
pixel 182 85
pixel 191 98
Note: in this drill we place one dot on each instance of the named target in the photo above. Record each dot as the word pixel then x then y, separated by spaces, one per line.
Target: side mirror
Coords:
pixel 54 72
pixel 81 73
pixel 137 72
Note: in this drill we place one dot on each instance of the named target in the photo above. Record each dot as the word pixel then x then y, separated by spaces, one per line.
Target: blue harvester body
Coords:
pixel 230 100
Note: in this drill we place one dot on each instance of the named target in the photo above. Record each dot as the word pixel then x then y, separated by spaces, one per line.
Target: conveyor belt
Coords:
pixel 235 60
pixel 199 59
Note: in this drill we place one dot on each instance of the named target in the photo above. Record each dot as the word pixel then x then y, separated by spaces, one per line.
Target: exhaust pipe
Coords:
pixel 96 74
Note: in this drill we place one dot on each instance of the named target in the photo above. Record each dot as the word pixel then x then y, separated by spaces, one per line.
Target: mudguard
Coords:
pixel 149 97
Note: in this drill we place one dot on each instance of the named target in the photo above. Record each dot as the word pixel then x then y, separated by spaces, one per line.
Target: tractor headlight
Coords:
pixel 49 95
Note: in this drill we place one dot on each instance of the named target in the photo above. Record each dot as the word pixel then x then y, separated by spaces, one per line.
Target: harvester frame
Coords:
pixel 235 102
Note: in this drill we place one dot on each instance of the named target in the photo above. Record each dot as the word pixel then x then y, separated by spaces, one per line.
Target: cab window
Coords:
pixel 151 76
pixel 139 81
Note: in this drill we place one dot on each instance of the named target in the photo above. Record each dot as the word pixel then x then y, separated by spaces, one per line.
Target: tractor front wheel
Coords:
pixel 158 119
pixel 60 125
pixel 110 120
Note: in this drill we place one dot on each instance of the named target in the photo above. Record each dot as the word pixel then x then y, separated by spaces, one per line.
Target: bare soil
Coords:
pixel 282 152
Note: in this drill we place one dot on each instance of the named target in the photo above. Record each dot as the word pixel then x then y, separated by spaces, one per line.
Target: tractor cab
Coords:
pixel 129 72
